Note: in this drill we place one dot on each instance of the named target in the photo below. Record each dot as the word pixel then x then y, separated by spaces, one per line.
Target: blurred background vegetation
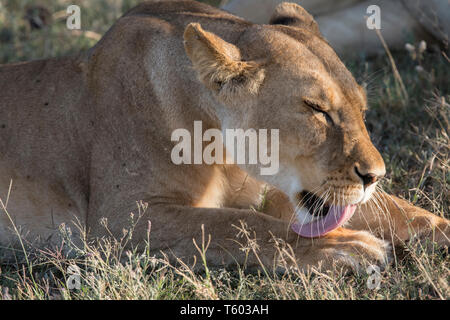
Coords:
pixel 31 29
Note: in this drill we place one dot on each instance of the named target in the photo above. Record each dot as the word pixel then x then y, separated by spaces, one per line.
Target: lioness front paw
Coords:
pixel 356 249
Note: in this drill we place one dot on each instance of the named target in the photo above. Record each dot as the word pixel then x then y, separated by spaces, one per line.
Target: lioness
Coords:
pixel 344 25
pixel 84 138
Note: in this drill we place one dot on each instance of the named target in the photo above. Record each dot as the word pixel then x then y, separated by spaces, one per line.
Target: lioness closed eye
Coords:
pixel 83 138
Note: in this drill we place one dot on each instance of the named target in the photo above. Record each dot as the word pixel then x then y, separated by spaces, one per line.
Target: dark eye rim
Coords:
pixel 364 115
pixel 316 107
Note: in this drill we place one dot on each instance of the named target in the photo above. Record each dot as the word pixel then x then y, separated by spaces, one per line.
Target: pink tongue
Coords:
pixel 335 218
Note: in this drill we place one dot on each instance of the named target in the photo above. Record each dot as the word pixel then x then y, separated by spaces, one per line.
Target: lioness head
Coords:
pixel 286 76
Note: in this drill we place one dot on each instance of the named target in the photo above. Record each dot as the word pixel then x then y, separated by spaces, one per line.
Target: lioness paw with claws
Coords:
pixel 359 249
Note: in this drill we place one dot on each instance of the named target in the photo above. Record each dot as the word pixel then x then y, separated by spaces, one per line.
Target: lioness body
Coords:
pixel 84 138
pixel 45 145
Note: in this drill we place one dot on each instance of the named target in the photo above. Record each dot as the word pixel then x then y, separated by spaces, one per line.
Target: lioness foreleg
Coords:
pixel 397 220
pixel 247 238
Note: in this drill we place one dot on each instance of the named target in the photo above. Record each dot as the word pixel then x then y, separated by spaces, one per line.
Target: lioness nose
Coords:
pixel 367 178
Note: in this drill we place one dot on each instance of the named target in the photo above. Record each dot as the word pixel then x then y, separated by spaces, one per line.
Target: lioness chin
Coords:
pixel 83 138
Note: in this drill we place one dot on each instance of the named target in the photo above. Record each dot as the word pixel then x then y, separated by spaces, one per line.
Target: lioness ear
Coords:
pixel 291 14
pixel 218 63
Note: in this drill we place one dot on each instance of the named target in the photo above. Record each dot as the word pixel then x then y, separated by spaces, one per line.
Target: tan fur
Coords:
pixel 85 137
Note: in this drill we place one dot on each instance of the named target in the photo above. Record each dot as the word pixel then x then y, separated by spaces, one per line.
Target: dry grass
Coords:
pixel 412 135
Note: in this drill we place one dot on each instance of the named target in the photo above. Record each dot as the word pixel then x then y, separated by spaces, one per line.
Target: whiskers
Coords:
pixel 376 207
pixel 316 199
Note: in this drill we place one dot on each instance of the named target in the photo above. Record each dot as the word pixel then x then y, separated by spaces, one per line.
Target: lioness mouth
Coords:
pixel 325 218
